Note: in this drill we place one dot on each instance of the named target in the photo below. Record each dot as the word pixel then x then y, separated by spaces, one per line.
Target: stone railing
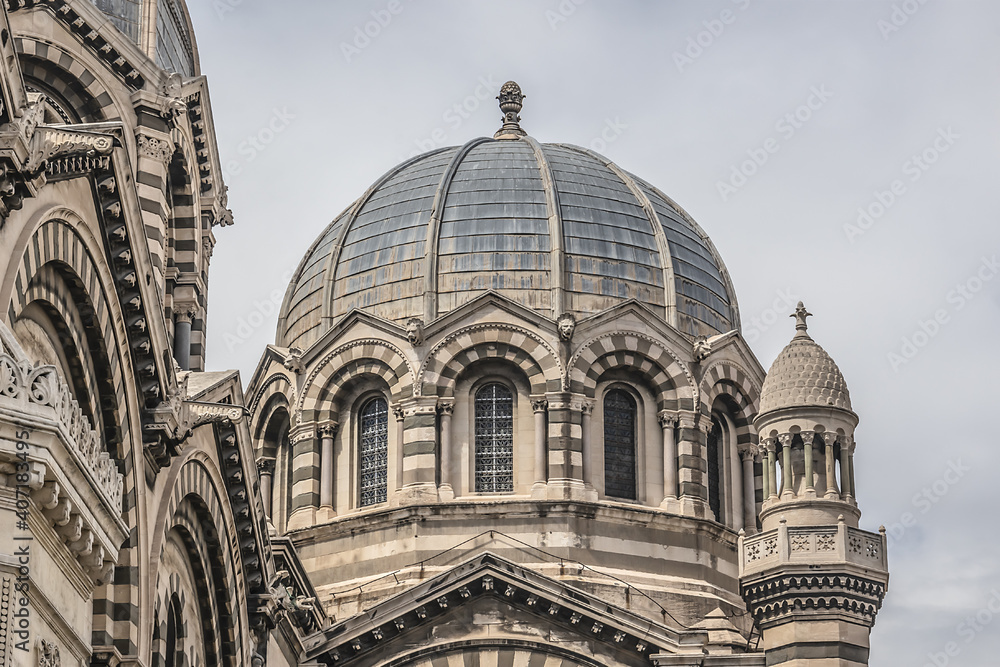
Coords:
pixel 809 544
pixel 40 391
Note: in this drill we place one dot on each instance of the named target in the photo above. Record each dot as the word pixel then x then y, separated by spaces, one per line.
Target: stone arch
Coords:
pixel 331 394
pixel 664 371
pixel 64 74
pixel 497 651
pixel 277 384
pixel 196 506
pixel 400 385
pixel 728 382
pixel 446 361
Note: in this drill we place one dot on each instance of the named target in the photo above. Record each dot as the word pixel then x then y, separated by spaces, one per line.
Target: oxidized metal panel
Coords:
pixel 381 266
pixel 305 307
pixel 494 439
pixel 611 250
pixel 494 229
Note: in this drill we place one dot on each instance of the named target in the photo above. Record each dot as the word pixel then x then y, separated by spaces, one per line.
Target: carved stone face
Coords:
pixel 415 331
pixel 566 325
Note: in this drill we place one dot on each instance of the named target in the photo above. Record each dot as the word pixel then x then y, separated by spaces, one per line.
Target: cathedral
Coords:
pixel 508 419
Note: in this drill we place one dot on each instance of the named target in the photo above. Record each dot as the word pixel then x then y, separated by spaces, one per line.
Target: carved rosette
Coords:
pixel 153 148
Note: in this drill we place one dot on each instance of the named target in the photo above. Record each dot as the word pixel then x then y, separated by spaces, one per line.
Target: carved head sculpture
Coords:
pixel 566 325
pixel 415 331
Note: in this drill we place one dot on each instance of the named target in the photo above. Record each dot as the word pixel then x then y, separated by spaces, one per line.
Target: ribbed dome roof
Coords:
pixel 804 375
pixel 555 227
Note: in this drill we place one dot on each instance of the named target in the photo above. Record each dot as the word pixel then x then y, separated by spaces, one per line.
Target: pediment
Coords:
pixel 489 597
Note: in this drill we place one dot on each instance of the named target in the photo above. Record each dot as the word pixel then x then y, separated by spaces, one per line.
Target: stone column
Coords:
pixel 771 472
pixel 668 421
pixel 829 439
pixel 749 500
pixel 397 413
pixel 265 470
pixel 786 465
pixel 182 338
pixel 850 458
pixel 326 434
pixel 305 477
pixel 693 464
pixel 419 445
pixel 445 410
pixel 540 407
pixel 847 489
pixel 809 489
pixel 565 447
pixel 587 441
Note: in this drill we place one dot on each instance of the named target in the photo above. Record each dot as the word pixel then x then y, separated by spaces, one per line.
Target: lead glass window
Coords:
pixel 619 445
pixel 374 439
pixel 714 476
pixel 494 439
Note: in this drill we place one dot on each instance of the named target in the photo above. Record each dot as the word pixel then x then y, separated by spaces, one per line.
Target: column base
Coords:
pixel 304 517
pixel 445 492
pixel 570 489
pixel 696 507
pixel 325 514
pixel 417 494
pixel 671 504
pixel 539 491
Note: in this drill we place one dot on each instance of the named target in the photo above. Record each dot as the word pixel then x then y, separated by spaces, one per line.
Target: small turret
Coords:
pixel 812 580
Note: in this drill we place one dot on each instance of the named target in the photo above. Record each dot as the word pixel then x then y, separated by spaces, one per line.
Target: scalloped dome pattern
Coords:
pixel 804 375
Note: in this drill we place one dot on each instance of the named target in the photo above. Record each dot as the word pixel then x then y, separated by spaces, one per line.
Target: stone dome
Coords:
pixel 557 228
pixel 803 375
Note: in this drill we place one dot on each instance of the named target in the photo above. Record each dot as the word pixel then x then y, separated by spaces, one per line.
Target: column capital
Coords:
pixel 539 405
pixel 748 450
pixel 446 408
pixel 328 429
pixel 786 439
pixel 807 437
pixel 185 314
pixel 397 412
pixel 587 408
pixel 667 418
pixel 265 465
pixel 304 432
pixel 830 437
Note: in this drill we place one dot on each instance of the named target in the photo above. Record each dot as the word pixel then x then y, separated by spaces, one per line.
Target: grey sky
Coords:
pixel 605 75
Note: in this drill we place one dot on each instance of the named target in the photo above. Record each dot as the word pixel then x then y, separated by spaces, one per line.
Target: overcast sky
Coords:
pixel 775 124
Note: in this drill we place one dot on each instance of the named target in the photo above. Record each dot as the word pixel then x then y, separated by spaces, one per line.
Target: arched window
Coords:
pixel 714 472
pixel 619 445
pixel 494 439
pixel 374 451
pixel 172 645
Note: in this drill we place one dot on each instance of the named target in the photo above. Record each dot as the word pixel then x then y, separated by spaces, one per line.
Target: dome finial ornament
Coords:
pixel 510 98
pixel 800 316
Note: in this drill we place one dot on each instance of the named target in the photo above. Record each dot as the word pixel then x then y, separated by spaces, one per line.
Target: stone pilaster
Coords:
pixel 305 476
pixel 565 447
pixel 419 447
pixel 693 464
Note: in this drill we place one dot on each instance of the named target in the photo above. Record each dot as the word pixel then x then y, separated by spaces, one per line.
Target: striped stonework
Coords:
pixel 62 73
pixel 420 442
pixel 726 378
pixel 372 371
pixel 565 437
pixel 197 510
pixel 493 654
pixel 446 361
pixel 666 375
pixel 322 383
pixel 57 247
pixel 692 461
pixel 305 474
